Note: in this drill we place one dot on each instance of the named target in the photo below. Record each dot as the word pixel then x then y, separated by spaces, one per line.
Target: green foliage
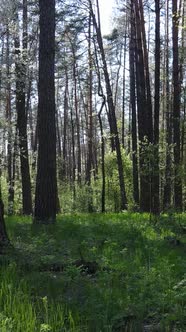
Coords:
pixel 112 180
pixel 87 198
pixel 17 196
pixel 139 283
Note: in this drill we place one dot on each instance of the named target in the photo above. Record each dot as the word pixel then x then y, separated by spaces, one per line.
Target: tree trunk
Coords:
pixel 144 117
pixel 77 118
pixel 90 120
pixel 176 109
pixel 133 107
pixel 167 187
pixel 65 122
pixel 4 241
pixel 102 159
pixel 112 114
pixel 46 182
pixel 20 68
pixel 156 178
pixel 124 88
pixel 9 124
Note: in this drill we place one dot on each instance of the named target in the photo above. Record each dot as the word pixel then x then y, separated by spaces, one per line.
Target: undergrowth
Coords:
pixel 138 283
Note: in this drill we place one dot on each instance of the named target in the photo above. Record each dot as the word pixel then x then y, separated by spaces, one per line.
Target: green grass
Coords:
pixel 139 285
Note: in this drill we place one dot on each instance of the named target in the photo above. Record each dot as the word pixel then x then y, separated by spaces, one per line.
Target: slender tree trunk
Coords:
pixel 176 109
pixel 21 114
pixel 65 122
pixel 167 187
pixel 9 124
pixel 29 111
pixel 112 114
pixel 124 88
pixel 4 240
pixel 102 159
pixel 77 118
pixel 147 73
pixel 89 165
pixel 133 107
pixel 156 178
pixel 144 116
pixel 90 120
pixel 73 168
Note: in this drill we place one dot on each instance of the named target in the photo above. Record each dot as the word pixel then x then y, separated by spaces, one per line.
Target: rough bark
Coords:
pixel 46 182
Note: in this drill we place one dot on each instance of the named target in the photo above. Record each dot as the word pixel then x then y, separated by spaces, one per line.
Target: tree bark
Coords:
pixel 9 133
pixel 176 109
pixel 167 186
pixel 133 107
pixel 46 182
pixel 144 116
pixel 156 178
pixel 20 68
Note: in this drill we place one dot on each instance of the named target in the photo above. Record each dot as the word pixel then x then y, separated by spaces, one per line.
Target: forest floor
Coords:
pixel 98 272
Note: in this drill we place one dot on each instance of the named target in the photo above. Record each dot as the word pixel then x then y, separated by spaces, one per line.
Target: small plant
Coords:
pixel 45 328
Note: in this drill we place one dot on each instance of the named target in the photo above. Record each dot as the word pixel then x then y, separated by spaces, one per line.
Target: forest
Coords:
pixel 92 166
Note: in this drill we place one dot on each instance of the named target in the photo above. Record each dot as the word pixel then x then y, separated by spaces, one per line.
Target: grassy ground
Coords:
pixel 112 272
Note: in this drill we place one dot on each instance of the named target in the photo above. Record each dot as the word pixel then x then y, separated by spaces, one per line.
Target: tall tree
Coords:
pixel 176 108
pixel 20 68
pixel 156 179
pixel 9 123
pixel 111 107
pixel 90 111
pixel 46 182
pixel 145 129
pixel 133 106
pixel 168 111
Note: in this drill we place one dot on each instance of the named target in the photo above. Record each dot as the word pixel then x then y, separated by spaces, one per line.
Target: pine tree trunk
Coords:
pixel 46 182
pixel 176 109
pixel 144 117
pixel 133 107
pixel 112 114
pixel 9 123
pixel 156 178
pixel 124 89
pixel 167 186
pixel 20 69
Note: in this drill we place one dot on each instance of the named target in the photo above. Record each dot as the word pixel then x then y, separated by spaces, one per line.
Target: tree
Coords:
pixel 168 111
pixel 156 178
pixel 111 107
pixel 176 108
pixel 10 132
pixel 20 69
pixel 144 106
pixel 133 106
pixel 46 182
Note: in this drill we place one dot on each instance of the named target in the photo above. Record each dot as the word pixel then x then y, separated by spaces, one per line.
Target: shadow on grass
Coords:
pixel 137 273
